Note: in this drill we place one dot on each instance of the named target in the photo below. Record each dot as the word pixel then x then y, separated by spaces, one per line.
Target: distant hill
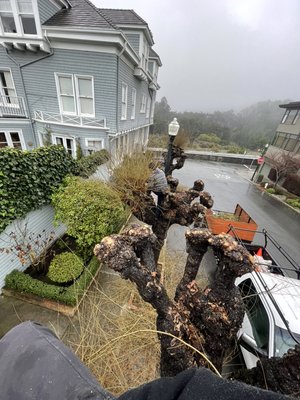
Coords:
pixel 251 127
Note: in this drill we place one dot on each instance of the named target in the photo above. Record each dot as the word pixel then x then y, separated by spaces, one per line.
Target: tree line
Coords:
pixel 252 127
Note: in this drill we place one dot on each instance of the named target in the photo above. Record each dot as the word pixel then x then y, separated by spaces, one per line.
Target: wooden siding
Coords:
pixel 46 10
pixel 134 41
pixel 40 85
pixel 37 221
pixel 126 76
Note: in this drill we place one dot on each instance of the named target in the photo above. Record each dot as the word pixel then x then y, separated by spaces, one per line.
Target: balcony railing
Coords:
pixel 73 120
pixel 12 107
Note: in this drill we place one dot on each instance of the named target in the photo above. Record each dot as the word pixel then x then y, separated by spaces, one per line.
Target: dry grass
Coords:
pixel 102 335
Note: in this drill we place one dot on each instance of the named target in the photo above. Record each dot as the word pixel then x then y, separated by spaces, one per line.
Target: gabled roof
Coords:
pixel 295 105
pixel 122 18
pixel 153 54
pixel 82 13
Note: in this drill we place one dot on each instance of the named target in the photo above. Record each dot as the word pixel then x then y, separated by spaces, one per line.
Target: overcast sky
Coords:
pixel 223 54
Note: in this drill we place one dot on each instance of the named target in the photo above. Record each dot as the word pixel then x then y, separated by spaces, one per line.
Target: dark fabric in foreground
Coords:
pixel 35 365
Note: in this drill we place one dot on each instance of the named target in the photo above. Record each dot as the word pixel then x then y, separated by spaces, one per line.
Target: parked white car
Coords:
pixel 272 320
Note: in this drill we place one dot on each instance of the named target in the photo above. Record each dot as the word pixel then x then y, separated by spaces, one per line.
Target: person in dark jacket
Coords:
pixel 158 184
pixel 36 365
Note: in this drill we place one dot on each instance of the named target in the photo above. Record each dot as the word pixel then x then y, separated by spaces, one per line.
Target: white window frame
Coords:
pixel 124 101
pixel 75 96
pixel 16 14
pixel 64 138
pixel 3 101
pixel 9 140
pixel 143 104
pixel 133 103
pixel 76 77
pixel 94 140
pixel 148 107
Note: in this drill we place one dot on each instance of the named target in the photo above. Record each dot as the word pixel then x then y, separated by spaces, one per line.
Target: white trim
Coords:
pixel 90 77
pixel 9 141
pixel 133 103
pixel 64 137
pixel 17 19
pixel 143 104
pixel 148 105
pixel 61 109
pixel 124 96
pixel 13 121
pixel 12 79
pixel 75 86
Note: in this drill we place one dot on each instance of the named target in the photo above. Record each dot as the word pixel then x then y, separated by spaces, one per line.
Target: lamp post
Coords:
pixel 173 130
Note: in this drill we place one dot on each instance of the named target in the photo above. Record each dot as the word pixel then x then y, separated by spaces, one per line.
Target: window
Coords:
pixel 93 145
pixel 148 107
pixel 75 94
pixel 12 139
pixel 17 16
pixel 256 313
pixel 280 139
pixel 67 142
pixel 133 102
pixel 124 101
pixel 290 117
pixel 291 143
pixel 7 89
pixel 143 104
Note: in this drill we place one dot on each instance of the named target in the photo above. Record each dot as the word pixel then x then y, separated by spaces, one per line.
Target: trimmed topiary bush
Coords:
pixel 293 202
pixel 65 267
pixel 292 184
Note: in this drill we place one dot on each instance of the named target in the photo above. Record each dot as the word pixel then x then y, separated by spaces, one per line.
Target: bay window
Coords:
pixel 18 16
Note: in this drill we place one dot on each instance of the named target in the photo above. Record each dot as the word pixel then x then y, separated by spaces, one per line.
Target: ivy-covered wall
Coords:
pixel 28 179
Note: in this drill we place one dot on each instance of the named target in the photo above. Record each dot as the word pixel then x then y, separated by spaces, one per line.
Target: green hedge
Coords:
pixel 89 164
pixel 24 283
pixel 28 179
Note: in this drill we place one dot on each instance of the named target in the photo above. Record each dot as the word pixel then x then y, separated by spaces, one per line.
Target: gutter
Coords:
pixel 20 66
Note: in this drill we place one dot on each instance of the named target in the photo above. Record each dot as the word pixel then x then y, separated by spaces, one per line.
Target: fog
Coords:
pixel 222 54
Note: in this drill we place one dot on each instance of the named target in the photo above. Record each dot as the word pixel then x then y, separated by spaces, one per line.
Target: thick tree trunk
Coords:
pixel 208 320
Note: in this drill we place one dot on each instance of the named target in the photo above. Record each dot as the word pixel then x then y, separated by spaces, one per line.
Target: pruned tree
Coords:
pixel 207 320
pixel 283 163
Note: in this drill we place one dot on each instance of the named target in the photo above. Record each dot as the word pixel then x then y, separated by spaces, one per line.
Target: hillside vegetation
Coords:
pixel 249 128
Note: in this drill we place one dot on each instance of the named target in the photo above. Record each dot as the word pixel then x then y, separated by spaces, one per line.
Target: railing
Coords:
pixel 12 107
pixel 73 120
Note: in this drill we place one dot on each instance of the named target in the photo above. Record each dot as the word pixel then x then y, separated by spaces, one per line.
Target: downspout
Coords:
pixel 23 83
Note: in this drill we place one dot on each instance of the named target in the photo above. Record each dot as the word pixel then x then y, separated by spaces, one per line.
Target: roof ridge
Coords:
pixel 103 16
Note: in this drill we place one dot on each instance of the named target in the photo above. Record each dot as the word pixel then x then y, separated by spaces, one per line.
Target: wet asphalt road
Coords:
pixel 229 184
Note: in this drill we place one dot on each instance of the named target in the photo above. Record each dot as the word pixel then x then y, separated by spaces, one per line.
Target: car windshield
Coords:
pixel 284 341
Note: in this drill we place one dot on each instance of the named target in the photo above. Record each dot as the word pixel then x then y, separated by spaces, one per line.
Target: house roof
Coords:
pixel 153 54
pixel 122 17
pixel 82 13
pixel 295 105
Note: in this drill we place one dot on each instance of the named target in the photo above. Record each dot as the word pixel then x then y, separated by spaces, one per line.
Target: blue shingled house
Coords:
pixel 71 73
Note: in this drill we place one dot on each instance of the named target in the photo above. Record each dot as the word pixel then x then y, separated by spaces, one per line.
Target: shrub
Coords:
pixel 28 179
pixel 91 209
pixel 292 184
pixel 89 164
pixel 271 191
pixel 65 267
pixel 24 283
pixel 259 179
pixel 209 137
pixel 293 202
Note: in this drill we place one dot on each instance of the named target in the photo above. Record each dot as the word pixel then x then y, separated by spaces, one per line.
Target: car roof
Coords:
pixel 286 293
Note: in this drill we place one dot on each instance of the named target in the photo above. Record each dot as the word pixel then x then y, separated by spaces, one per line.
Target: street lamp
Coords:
pixel 173 130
